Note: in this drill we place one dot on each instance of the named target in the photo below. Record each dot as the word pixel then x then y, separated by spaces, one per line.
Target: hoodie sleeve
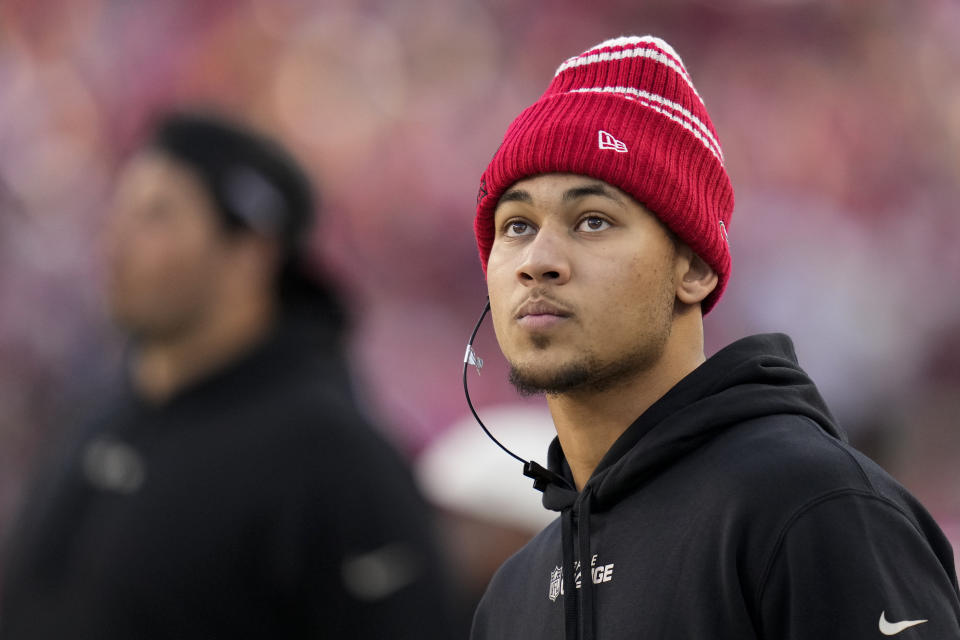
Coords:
pixel 854 565
pixel 351 551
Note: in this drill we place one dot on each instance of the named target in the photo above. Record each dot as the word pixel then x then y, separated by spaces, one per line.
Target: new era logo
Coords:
pixel 607 141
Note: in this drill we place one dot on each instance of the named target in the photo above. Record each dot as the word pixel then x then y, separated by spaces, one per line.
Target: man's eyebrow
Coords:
pixel 515 195
pixel 595 189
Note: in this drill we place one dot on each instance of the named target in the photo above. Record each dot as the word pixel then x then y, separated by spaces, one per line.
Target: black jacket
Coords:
pixel 733 508
pixel 255 504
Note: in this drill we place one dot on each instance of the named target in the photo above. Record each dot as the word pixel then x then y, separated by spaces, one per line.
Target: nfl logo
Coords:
pixel 556 576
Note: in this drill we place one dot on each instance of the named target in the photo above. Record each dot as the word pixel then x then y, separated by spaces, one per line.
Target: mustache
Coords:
pixel 539 301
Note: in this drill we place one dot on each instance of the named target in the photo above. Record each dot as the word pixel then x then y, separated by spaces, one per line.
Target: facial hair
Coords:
pixel 591 374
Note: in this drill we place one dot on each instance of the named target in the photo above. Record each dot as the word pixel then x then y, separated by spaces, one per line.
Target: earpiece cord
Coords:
pixel 468 359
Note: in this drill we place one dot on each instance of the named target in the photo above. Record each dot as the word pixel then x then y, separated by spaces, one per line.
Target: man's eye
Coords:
pixel 518 228
pixel 593 223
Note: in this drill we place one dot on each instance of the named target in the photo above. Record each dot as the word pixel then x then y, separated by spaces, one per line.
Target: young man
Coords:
pixel 231 489
pixel 698 498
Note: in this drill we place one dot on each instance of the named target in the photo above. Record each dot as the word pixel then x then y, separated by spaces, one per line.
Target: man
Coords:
pixel 231 489
pixel 698 498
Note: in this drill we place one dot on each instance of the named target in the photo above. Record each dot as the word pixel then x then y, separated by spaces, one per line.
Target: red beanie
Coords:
pixel 625 112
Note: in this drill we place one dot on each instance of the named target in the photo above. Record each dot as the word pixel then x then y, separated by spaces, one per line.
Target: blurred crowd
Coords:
pixel 840 123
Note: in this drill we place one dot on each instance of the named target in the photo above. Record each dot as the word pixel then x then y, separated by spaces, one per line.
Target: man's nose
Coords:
pixel 545 260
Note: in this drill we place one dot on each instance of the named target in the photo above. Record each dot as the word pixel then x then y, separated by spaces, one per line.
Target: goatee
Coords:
pixel 587 374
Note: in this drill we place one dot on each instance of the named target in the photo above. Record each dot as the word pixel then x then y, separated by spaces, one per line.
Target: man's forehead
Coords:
pixel 151 178
pixel 560 186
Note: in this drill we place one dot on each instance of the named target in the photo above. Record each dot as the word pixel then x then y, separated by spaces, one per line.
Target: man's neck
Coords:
pixel 589 422
pixel 161 368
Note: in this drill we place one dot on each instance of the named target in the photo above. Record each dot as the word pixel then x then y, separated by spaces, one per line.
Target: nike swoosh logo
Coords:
pixel 888 628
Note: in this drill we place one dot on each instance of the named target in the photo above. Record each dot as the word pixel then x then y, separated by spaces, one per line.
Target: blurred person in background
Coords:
pixel 231 488
pixel 699 498
pixel 484 511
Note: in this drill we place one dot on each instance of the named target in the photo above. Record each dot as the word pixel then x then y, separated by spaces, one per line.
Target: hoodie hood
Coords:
pixel 754 377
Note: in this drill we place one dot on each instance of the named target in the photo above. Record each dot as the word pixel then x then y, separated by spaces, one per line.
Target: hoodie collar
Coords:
pixel 753 377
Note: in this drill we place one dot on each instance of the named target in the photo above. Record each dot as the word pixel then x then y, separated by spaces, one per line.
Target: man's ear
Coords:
pixel 696 279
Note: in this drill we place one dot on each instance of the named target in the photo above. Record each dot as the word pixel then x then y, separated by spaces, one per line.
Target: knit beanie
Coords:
pixel 625 112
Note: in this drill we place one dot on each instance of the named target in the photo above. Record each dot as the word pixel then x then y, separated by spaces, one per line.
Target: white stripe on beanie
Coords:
pixel 631 93
pixel 665 55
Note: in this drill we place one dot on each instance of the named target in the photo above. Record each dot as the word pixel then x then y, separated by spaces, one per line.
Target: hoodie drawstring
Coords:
pixel 570 614
pixel 560 496
pixel 586 568
pixel 577 607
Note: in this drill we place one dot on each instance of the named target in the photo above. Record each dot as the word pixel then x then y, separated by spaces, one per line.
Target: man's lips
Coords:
pixel 540 314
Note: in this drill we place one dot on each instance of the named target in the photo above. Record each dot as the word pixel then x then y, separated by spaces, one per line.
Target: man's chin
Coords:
pixel 530 381
pixel 585 374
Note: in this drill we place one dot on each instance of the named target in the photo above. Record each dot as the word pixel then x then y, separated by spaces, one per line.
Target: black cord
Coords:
pixel 467 361
pixel 542 477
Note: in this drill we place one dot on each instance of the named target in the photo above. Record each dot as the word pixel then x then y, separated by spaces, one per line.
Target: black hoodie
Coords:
pixel 258 503
pixel 732 508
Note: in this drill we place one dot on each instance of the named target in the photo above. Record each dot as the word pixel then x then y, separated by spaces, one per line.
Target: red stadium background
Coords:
pixel 840 122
